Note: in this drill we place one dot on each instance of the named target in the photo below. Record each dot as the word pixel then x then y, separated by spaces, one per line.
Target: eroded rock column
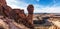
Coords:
pixel 30 10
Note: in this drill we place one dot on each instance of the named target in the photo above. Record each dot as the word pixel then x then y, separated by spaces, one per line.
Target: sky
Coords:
pixel 40 6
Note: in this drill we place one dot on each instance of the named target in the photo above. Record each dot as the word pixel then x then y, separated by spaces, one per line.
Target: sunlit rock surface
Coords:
pixel 7 23
pixel 17 15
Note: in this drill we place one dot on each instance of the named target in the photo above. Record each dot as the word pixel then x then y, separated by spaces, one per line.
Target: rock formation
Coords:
pixel 17 15
pixel 3 3
pixel 7 23
pixel 30 10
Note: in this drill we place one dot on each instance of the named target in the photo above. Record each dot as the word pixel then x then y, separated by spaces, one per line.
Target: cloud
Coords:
pixel 48 10
pixel 12 3
pixel 16 4
pixel 37 8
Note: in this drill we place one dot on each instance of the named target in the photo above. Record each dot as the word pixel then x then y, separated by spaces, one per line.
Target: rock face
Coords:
pixel 6 23
pixel 17 15
pixel 30 9
pixel 3 2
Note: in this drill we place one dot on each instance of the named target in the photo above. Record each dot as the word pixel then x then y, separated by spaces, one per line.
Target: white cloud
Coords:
pixel 14 4
pixel 37 9
pixel 48 10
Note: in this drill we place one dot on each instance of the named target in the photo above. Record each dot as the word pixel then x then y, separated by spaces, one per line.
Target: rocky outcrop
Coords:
pixel 17 15
pixel 30 9
pixel 3 2
pixel 7 23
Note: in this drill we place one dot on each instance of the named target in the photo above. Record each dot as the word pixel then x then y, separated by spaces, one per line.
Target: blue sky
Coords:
pixel 40 6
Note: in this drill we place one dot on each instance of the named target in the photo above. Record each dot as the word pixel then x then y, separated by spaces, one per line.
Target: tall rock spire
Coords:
pixel 30 10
